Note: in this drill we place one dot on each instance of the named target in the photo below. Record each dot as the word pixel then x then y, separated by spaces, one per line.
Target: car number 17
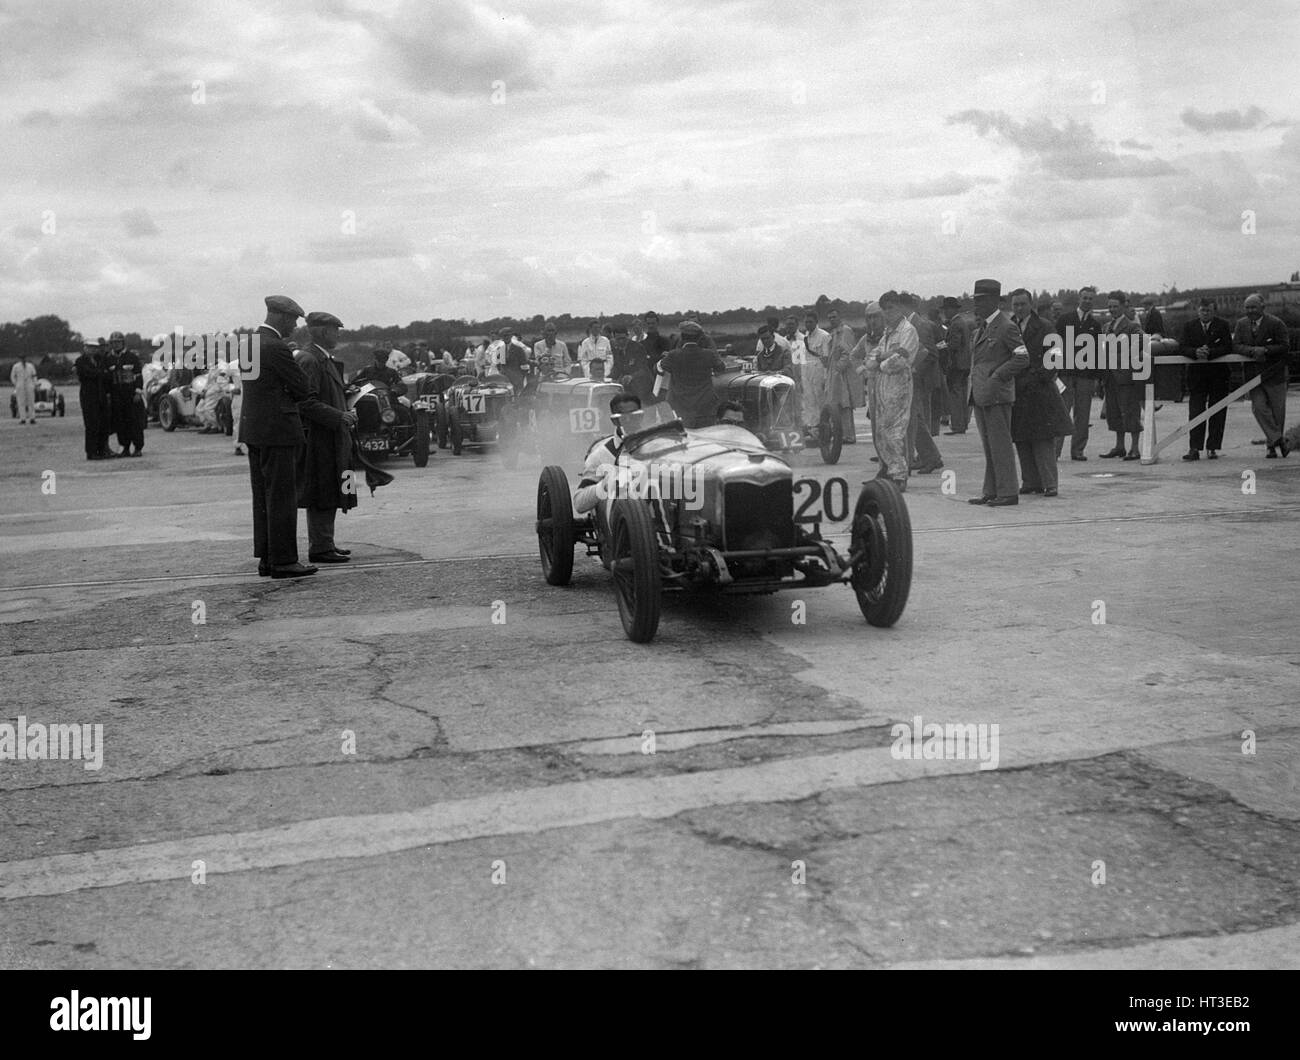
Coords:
pixel 834 495
pixel 473 403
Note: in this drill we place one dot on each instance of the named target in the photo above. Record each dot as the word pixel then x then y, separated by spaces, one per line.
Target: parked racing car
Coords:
pixel 475 411
pixel 47 400
pixel 389 423
pixel 740 527
pixel 192 405
pixel 768 399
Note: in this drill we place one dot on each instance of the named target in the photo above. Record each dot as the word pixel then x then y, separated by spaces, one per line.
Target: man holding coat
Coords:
pixel 326 458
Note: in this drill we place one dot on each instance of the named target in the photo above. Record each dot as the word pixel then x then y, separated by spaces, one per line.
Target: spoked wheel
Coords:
pixel 555 526
pixel 882 535
pixel 168 417
pixel 634 562
pixel 830 435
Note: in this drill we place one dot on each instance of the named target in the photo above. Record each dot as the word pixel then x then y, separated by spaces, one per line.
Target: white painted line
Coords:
pixel 524 811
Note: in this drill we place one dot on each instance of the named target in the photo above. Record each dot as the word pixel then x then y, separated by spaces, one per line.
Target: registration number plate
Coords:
pixel 375 445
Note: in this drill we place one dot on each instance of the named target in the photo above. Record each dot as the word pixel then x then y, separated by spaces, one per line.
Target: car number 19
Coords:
pixel 584 421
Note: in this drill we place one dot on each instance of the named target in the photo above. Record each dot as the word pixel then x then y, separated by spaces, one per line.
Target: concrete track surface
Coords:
pixel 363 769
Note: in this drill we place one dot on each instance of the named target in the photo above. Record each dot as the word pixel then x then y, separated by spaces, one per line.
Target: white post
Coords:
pixel 1149 424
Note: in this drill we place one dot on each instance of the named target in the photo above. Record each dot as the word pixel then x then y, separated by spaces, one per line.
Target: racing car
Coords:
pixel 47 400
pixel 184 406
pixel 475 412
pixel 768 399
pixel 712 509
pixel 567 415
pixel 389 423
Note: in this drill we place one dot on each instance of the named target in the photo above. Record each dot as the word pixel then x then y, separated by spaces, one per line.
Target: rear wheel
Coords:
pixel 555 526
pixel 882 535
pixel 634 561
pixel 168 415
pixel 830 435
pixel 457 436
pixel 420 448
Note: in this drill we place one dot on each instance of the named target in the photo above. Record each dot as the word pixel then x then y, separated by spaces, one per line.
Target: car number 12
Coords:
pixel 834 496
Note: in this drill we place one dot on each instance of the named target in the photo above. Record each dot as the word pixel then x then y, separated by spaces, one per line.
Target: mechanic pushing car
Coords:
pixel 601 456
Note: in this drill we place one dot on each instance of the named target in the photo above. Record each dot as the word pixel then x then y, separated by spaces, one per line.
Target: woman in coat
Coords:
pixel 1038 416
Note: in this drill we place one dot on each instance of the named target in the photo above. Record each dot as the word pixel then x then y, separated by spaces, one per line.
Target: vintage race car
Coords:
pixel 713 509
pixel 389 423
pixel 48 400
pixel 771 412
pixel 565 415
pixel 191 405
pixel 475 411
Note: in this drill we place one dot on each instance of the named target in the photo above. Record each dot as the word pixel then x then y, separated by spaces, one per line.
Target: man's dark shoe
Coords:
pixel 1031 489
pixel 1271 454
pixel 981 500
pixel 1191 454
pixel 263 569
pixel 1117 451
pixel 1213 454
pixel 1079 457
pixel 1134 455
pixel 1003 502
pixel 954 432
pixel 1050 492
pixel 1283 447
pixel 929 468
pixel 343 551
pixel 1258 441
pixel 292 570
pixel 327 557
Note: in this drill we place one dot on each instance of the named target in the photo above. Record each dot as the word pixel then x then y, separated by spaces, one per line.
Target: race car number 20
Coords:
pixel 834 498
pixel 584 421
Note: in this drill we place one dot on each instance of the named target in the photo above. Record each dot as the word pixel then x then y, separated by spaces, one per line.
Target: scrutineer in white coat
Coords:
pixel 23 377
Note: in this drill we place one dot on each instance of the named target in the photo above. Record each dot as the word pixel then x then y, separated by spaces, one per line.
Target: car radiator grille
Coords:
pixel 758 516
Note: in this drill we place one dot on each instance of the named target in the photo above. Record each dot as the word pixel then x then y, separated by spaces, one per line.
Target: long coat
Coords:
pixel 846 387
pixel 328 449
pixel 1039 413
pixel 270 415
pixel 690 371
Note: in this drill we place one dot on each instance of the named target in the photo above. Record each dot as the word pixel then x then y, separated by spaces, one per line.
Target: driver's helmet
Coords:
pixel 399 362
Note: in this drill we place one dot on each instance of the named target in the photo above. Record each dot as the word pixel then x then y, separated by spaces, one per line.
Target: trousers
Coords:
pixel 920 444
pixel 994 423
pixel 1038 463
pixel 275 503
pixel 1268 403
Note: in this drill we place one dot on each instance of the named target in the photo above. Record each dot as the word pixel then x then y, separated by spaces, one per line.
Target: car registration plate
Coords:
pixel 375 445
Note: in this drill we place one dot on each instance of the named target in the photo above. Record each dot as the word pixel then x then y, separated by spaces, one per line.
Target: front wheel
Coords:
pixel 555 526
pixel 882 542
pixel 830 435
pixel 634 561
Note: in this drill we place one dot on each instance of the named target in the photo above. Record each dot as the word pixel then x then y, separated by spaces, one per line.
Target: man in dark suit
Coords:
pixel 327 454
pixel 957 349
pixel 271 427
pixel 1206 338
pixel 1038 418
pixel 1123 392
pixel 997 356
pixel 923 454
pixel 1080 383
pixel 93 374
pixel 1264 337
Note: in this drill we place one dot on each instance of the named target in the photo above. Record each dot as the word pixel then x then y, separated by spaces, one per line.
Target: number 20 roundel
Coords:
pixel 834 498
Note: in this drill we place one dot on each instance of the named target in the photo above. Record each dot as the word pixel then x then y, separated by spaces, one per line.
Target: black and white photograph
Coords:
pixel 628 485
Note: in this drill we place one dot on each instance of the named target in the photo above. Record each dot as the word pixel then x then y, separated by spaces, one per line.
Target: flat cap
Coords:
pixel 873 308
pixel 689 325
pixel 280 303
pixel 323 320
pixel 951 303
pixel 992 287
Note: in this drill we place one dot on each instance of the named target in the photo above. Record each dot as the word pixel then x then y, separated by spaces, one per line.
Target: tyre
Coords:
pixel 555 526
pixel 882 538
pixel 634 562
pixel 169 416
pixel 830 435
pixel 457 436
pixel 420 450
pixel 440 426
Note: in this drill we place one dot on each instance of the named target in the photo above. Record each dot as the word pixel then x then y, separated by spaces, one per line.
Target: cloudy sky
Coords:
pixel 169 163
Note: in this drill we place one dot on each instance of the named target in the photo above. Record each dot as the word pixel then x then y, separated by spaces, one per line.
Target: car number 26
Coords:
pixel 473 403
pixel 584 421
pixel 834 498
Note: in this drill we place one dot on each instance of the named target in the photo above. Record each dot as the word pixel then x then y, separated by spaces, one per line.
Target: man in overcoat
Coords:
pixel 1038 416
pixel 998 355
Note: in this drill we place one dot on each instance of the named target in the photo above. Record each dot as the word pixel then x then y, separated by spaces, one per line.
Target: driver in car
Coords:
pixel 601 457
